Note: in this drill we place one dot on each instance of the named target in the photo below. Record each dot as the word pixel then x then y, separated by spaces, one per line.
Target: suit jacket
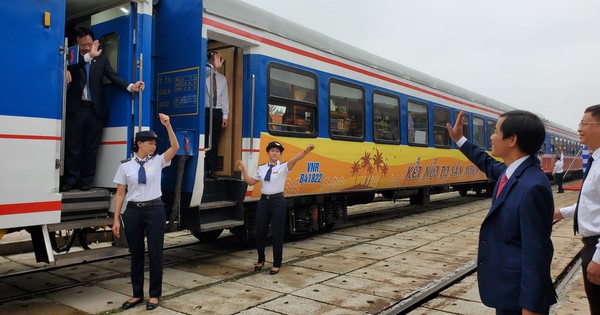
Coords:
pixel 515 249
pixel 99 68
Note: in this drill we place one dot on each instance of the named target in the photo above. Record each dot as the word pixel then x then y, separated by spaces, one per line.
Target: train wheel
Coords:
pixel 207 236
pixel 462 192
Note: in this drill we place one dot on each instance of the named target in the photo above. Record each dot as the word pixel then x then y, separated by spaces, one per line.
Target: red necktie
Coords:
pixel 503 181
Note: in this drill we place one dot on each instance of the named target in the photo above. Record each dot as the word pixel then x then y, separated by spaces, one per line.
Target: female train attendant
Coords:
pixel 145 213
pixel 271 207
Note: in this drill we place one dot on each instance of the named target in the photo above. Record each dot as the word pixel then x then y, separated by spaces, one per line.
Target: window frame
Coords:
pixel 488 134
pixel 399 118
pixel 362 107
pixel 483 125
pixel 426 106
pixel 291 103
pixel 443 127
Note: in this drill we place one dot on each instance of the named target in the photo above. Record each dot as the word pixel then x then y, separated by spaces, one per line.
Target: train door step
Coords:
pixel 88 204
pixel 216 204
pixel 78 224
pixel 220 225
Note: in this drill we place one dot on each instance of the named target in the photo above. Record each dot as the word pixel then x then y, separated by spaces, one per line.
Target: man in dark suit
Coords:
pixel 515 249
pixel 86 110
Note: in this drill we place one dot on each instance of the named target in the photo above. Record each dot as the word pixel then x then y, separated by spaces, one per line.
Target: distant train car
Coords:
pixel 378 127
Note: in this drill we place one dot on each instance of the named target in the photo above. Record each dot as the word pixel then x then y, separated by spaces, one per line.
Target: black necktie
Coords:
pixel 214 90
pixel 268 175
pixel 587 170
pixel 141 172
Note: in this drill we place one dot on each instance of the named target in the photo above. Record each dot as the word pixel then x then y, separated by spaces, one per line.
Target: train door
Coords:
pixel 124 33
pixel 229 149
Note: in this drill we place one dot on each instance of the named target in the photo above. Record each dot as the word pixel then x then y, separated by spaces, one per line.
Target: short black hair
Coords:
pixel 83 31
pixel 528 128
pixel 595 110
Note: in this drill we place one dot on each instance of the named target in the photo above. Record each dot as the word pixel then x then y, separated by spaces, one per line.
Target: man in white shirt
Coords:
pixel 558 171
pixel 217 98
pixel 586 211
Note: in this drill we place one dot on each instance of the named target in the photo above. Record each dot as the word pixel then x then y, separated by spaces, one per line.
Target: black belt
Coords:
pixel 263 196
pixel 590 240
pixel 214 108
pixel 145 204
pixel 87 103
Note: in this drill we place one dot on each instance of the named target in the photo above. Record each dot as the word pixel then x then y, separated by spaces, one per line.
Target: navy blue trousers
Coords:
pixel 270 211
pixel 149 222
pixel 591 290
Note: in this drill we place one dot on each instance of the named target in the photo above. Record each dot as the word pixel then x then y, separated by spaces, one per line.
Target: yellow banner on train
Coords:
pixel 336 166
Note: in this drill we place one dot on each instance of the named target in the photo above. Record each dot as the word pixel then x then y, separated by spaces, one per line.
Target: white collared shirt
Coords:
pixel 588 214
pixel 222 93
pixel 558 165
pixel 278 176
pixel 127 174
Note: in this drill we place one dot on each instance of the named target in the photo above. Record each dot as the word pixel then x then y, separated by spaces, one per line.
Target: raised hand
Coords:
pixel 456 132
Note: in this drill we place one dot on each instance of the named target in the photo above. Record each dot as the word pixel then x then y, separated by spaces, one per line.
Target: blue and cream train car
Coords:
pixel 378 127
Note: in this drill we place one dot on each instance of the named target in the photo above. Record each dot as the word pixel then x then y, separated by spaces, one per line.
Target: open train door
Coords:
pixel 125 34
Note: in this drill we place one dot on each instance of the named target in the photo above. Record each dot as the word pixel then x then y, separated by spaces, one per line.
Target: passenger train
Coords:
pixel 378 126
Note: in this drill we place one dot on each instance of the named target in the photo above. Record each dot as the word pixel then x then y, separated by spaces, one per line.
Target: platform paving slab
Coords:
pixel 84 272
pixel 371 251
pixel 364 232
pixel 345 298
pixel 294 305
pixel 38 281
pixel 335 263
pixel 402 243
pixel 418 258
pixel 184 279
pixel 257 311
pixel 8 267
pixel 39 306
pixel 213 271
pixel 455 306
pixel 120 265
pixel 466 289
pixel 289 279
pixel 320 244
pixel 187 254
pixel 367 286
pixel 92 299
pixel 123 286
pixel 290 253
pixel 223 298
pixel 8 291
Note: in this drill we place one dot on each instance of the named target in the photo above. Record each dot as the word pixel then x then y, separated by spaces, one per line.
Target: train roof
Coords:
pixel 248 14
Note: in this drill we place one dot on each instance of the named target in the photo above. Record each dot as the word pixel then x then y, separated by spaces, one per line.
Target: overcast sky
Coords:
pixel 541 56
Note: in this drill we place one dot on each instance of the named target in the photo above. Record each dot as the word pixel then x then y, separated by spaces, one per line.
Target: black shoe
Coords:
pixel 258 266
pixel 274 270
pixel 560 191
pixel 127 305
pixel 86 187
pixel 150 306
pixel 66 187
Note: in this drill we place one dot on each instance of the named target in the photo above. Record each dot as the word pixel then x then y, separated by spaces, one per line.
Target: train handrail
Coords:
pixel 210 115
pixel 573 161
pixel 252 114
pixel 63 122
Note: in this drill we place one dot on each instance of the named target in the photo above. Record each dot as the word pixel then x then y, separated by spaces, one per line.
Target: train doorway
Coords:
pixel 230 144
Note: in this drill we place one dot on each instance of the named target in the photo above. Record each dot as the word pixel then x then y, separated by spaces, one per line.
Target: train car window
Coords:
pixel 346 111
pixel 110 48
pixel 292 104
pixel 417 123
pixel 441 138
pixel 386 118
pixel 491 128
pixel 478 132
pixel 466 131
pixel 553 144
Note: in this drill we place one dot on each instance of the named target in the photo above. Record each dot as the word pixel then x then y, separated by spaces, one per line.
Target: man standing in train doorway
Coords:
pixel 515 249
pixel 217 101
pixel 86 109
pixel 586 212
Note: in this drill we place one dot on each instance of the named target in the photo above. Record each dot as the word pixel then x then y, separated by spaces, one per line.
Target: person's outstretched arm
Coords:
pixel 172 150
pixel 299 156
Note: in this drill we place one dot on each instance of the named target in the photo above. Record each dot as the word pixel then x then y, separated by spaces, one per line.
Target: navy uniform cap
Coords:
pixel 146 135
pixel 274 144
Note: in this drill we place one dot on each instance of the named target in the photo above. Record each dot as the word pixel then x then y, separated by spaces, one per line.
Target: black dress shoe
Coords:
pixel 66 187
pixel 127 305
pixel 150 306
pixel 258 266
pixel 86 187
pixel 274 270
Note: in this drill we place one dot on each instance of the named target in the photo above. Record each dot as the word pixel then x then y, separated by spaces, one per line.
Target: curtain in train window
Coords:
pixel 346 111
pixel 466 131
pixel 491 128
pixel 417 123
pixel 441 116
pixel 478 132
pixel 386 118
pixel 292 102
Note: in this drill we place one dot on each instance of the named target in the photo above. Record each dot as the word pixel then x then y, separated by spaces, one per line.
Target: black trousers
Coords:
pixel 83 133
pixel 270 211
pixel 591 290
pixel 558 178
pixel 149 222
pixel 210 164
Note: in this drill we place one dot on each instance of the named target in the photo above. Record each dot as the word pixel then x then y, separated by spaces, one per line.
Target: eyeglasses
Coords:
pixel 584 123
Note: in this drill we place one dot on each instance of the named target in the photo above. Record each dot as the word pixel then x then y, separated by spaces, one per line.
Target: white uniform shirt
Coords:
pixel 127 174
pixel 278 176
pixel 588 214
pixel 222 93
pixel 558 165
